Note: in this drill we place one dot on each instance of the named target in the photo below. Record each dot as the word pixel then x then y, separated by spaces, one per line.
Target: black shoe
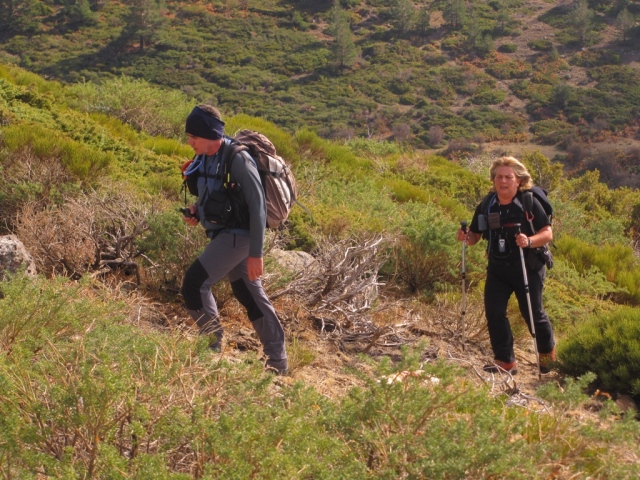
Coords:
pixel 279 367
pixel 547 360
pixel 500 366
pixel 215 344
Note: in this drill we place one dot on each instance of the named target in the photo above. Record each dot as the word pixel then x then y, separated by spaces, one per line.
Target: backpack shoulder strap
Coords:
pixel 526 203
pixel 486 202
pixel 231 149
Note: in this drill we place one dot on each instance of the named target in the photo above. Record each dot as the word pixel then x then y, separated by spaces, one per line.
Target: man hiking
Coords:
pixel 506 227
pixel 236 238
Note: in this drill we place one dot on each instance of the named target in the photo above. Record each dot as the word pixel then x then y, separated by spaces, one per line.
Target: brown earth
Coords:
pixel 326 361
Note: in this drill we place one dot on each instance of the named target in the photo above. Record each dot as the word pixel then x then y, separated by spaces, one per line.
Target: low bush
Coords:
pixel 609 346
pixel 488 96
pixel 150 109
pixel 86 233
pixel 591 58
pixel 69 357
pixel 425 257
pixel 541 45
pixel 617 262
pixel 507 48
pixel 504 69
pixel 37 313
pixel 168 247
pixel 551 132
pixel 81 161
pixel 168 146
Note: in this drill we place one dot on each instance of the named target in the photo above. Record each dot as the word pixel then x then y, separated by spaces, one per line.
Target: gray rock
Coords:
pixel 14 256
pixel 294 261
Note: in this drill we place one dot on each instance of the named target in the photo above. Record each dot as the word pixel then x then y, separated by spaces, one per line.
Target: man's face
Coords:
pixel 506 183
pixel 203 146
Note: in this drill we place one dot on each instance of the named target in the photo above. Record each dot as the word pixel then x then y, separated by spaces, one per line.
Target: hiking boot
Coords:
pixel 547 360
pixel 500 366
pixel 279 367
pixel 215 343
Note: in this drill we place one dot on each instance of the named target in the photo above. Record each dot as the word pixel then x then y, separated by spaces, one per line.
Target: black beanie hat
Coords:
pixel 203 124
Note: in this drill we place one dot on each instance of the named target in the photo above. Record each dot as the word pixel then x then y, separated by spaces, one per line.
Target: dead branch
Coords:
pixel 340 292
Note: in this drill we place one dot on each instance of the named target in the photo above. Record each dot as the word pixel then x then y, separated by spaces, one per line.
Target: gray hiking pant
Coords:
pixel 226 255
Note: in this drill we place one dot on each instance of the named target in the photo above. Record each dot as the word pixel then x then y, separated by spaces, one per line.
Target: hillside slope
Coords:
pixel 511 76
pixel 102 372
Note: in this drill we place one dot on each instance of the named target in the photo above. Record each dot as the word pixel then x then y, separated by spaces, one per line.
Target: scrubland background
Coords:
pixel 390 137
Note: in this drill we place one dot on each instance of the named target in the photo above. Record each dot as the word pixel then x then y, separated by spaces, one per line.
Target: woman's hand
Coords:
pixel 523 241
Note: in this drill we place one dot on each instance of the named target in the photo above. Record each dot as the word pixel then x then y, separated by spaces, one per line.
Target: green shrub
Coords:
pixel 285 144
pixel 617 262
pixel 509 69
pixel 36 311
pixel 609 346
pixel 579 221
pixel 397 418
pixel 169 247
pixel 590 58
pixel 507 48
pixel 153 110
pixel 536 92
pixel 550 132
pixel 25 78
pixel 403 191
pixel 80 160
pixel 426 256
pixel 116 128
pixel 494 123
pixel 541 45
pixel 570 296
pixel 375 148
pixel 338 156
pixel 488 96
pixel 168 146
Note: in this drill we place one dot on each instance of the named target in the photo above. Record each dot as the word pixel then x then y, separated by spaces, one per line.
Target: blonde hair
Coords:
pixel 519 169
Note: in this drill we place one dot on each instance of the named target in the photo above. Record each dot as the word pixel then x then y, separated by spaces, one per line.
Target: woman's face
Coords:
pixel 506 183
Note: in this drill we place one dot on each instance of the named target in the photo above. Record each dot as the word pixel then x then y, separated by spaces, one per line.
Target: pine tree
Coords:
pixel 403 13
pixel 343 48
pixel 503 17
pixel 625 21
pixel 18 17
pixel 144 20
pixel 78 12
pixel 423 23
pixel 454 13
pixel 582 21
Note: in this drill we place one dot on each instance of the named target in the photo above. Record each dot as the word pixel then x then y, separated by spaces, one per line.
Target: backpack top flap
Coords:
pixel 257 143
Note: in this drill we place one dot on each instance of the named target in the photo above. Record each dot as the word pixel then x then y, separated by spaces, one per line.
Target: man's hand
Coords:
pixel 254 268
pixel 193 220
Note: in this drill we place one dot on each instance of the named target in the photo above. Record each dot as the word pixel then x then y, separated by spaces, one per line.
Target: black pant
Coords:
pixel 502 281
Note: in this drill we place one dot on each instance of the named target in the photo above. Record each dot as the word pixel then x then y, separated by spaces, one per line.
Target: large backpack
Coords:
pixel 278 182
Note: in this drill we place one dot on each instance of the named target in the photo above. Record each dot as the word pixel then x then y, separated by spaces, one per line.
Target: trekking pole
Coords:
pixel 463 312
pixel 526 289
